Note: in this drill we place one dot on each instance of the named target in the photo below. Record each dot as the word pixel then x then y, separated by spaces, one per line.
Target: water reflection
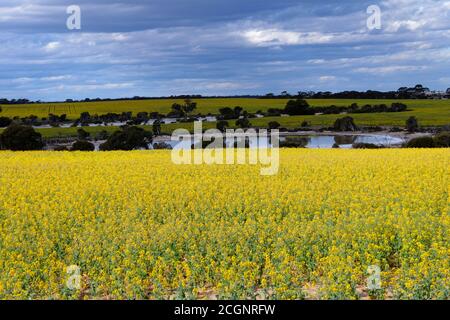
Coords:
pixel 311 142
pixel 340 140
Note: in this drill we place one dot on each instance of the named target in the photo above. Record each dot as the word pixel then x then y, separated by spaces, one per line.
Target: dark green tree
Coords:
pixel 142 117
pixel 243 123
pixel 129 138
pixel 305 124
pixel 412 125
pixel 82 145
pixel 222 125
pixel 442 140
pixel 274 125
pixel 421 142
pixel 185 109
pixel 85 117
pixel 345 124
pixel 102 135
pixel 189 106
pixel 237 111
pixel 21 138
pixel 82 134
pixel 4 122
pixel 156 127
pixel 298 107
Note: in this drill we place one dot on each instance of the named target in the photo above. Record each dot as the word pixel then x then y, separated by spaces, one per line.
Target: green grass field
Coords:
pixel 287 122
pixel 429 112
pixel 73 110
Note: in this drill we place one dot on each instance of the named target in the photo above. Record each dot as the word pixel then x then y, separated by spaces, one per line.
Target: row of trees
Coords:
pixel 293 108
pixel 125 139
pixel 24 138
pixel 301 107
pixel 370 94
pixel 178 111
pixel 21 138
pixel 417 92
pixel 441 140
pixel 355 108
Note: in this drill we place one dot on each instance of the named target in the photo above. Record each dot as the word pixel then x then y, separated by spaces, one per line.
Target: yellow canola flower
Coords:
pixel 140 227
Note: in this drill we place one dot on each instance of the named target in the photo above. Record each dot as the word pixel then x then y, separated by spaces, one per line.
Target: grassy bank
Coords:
pixel 287 122
pixel 429 112
pixel 432 112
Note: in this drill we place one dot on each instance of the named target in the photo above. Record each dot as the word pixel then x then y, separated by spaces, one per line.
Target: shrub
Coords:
pixel 229 114
pixel 298 107
pixel 372 129
pixel 305 124
pixel 294 142
pixel 21 138
pixel 412 125
pixel 82 134
pixel 274 125
pixel 162 146
pixel 82 145
pixel 422 142
pixel 142 117
pixel 188 120
pixel 396 129
pixel 227 111
pixel 442 140
pixel 272 112
pixel 185 109
pixel 60 148
pixel 128 138
pixel 102 135
pixel 345 124
pixel 85 117
pixel 243 123
pixel 365 146
pixel 398 107
pixel 222 125
pixel 156 127
pixel 4 122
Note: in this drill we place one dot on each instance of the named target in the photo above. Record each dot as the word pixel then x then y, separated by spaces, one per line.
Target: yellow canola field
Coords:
pixel 139 227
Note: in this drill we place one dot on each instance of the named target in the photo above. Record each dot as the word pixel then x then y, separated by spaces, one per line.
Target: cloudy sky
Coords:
pixel 219 47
